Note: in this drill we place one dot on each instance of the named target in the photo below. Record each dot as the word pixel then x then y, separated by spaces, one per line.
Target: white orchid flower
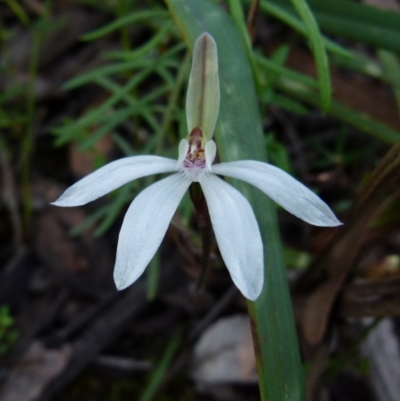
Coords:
pixel 233 220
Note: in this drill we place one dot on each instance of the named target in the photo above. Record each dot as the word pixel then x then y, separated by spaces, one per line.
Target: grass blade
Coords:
pixel 121 22
pixel 161 370
pixel 366 24
pixel 290 19
pixel 360 121
pixel 321 59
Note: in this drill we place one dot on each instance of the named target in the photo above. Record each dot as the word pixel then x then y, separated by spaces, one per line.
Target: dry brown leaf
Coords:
pixel 36 369
pixel 339 257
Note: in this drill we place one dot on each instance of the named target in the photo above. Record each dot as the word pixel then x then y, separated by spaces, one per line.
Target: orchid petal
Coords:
pixel 144 227
pixel 202 101
pixel 183 149
pixel 113 176
pixel 237 234
pixel 283 189
pixel 210 152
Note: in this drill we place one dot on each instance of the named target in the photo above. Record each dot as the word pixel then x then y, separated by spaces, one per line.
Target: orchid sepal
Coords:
pixel 203 95
pixel 112 176
pixel 281 187
pixel 144 227
pixel 237 234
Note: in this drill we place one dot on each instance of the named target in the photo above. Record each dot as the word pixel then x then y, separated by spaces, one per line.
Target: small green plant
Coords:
pixel 8 334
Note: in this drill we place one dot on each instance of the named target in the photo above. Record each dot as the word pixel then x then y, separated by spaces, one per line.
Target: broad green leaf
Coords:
pixel 239 136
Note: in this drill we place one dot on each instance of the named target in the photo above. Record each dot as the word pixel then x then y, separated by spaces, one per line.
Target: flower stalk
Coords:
pixel 204 223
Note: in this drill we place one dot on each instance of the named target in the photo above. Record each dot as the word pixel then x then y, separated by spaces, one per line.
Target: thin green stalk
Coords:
pixel 321 59
pixel 173 102
pixel 343 113
pixel 161 370
pixel 163 61
pixel 359 63
pixel 18 11
pixel 122 93
pixel 122 7
pixel 147 47
pixel 298 78
pixel 295 23
pixel 391 66
pixel 239 18
pixel 128 19
pixel 356 11
pixel 27 141
pixel 352 20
